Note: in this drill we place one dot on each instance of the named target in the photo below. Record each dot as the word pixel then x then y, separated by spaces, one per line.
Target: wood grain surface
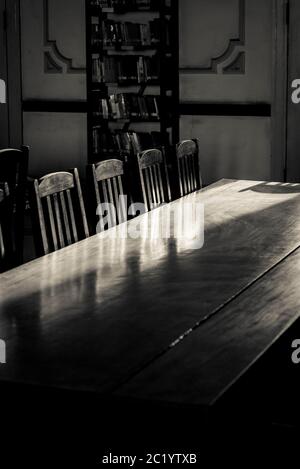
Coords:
pixel 94 314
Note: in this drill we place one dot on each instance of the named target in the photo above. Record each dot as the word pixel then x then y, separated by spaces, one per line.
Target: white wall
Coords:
pixel 53 69
pixel 238 147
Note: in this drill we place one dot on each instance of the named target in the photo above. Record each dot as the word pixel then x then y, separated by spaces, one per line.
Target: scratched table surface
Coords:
pixel 155 317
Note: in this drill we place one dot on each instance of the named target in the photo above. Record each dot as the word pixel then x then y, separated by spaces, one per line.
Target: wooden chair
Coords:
pixel 187 153
pixel 107 184
pixel 154 178
pixel 5 229
pixel 59 217
pixel 13 170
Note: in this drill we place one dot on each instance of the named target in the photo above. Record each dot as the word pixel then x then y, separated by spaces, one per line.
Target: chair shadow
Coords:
pixel 274 188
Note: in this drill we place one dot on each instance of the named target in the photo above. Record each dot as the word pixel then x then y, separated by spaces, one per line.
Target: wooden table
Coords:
pixel 152 318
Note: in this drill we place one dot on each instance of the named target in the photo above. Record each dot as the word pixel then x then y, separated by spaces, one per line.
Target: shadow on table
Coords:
pixel 274 188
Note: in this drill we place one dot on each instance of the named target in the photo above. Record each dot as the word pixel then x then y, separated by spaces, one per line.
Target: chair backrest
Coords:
pixel 108 182
pixel 154 178
pixel 5 229
pixel 13 170
pixel 187 153
pixel 59 217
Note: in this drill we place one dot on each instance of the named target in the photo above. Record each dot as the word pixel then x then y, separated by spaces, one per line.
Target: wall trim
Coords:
pixel 54 106
pixel 185 109
pixel 225 109
pixel 54 60
pixel 280 98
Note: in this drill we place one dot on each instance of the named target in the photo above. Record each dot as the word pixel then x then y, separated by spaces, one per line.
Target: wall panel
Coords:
pixel 53 68
pixel 57 141
pixel 231 147
pixel 226 50
pixel 53 49
pixel 226 60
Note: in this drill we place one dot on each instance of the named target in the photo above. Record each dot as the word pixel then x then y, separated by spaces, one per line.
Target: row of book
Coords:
pixel 110 33
pixel 127 106
pixel 125 143
pixel 127 4
pixel 125 69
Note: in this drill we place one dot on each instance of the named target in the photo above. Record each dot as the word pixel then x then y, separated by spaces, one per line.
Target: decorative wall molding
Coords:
pixel 54 60
pixel 50 66
pixel 232 60
pixel 69 107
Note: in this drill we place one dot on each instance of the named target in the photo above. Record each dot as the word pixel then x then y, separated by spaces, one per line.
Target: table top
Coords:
pixel 112 313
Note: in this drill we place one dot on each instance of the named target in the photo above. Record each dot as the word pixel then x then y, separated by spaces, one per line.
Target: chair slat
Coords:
pixel 105 193
pixel 156 185
pixel 161 184
pixel 72 216
pixel 116 194
pixel 180 178
pixel 58 196
pixel 107 179
pixel 184 176
pixel 123 214
pixel 40 216
pixel 153 181
pixel 96 187
pixel 52 223
pixel 121 185
pixel 110 192
pixel 81 204
pixel 152 188
pixel 189 173
pixel 58 221
pixel 148 185
pixel 143 184
pixel 194 179
pixel 65 217
pixel 113 203
pixel 2 247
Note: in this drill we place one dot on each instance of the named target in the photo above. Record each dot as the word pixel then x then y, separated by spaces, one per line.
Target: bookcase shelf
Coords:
pixel 132 76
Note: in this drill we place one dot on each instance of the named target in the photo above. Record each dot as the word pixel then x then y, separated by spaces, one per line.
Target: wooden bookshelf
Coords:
pixel 132 76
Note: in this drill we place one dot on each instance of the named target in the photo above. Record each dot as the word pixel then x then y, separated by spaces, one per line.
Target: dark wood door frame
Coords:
pixel 280 90
pixel 4 137
pixel 10 32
